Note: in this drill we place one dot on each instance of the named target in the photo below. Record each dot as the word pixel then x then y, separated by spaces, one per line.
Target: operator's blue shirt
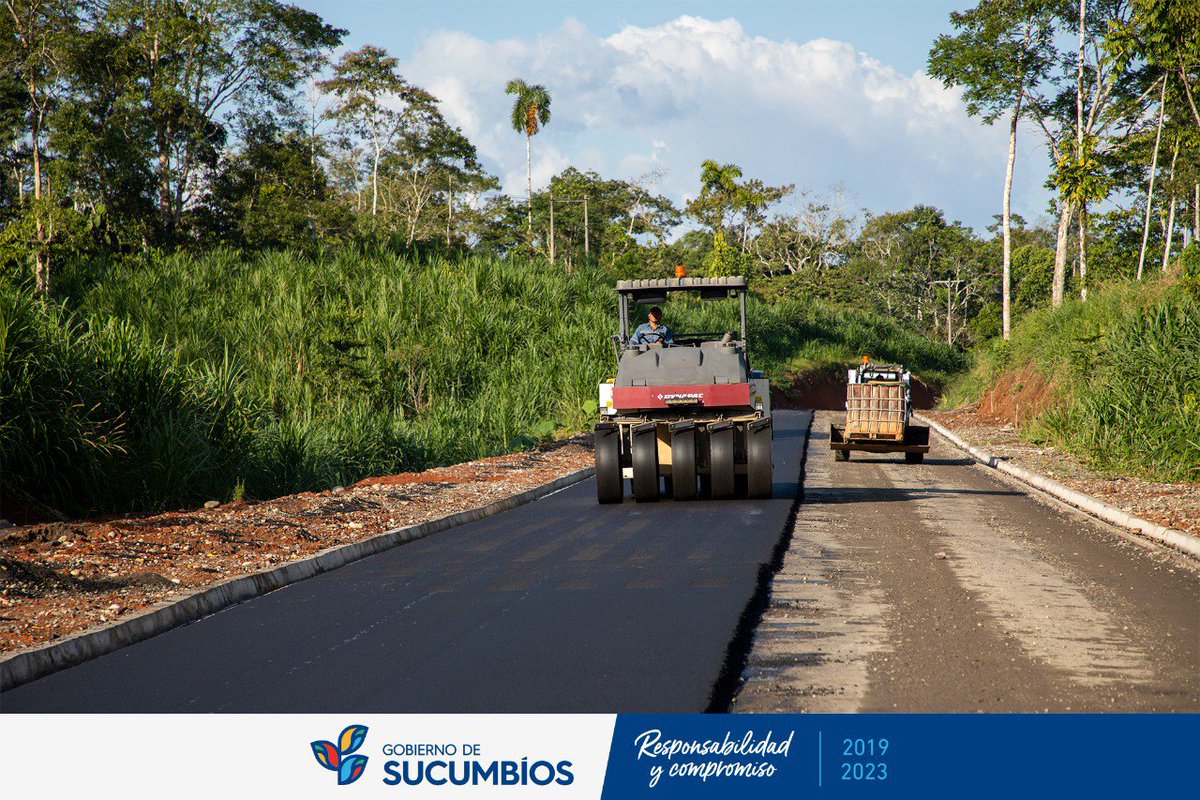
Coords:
pixel 645 328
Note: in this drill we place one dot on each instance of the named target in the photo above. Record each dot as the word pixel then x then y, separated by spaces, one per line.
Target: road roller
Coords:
pixel 685 417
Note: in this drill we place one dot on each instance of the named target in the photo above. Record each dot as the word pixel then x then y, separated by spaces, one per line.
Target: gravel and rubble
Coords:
pixel 1176 505
pixel 61 578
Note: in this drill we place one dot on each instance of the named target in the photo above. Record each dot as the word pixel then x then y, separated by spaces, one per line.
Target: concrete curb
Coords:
pixel 1151 530
pixel 29 665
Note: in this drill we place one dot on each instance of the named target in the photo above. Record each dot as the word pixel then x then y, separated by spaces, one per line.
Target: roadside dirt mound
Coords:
pixel 484 469
pixel 1017 397
pixel 20 578
pixel 824 389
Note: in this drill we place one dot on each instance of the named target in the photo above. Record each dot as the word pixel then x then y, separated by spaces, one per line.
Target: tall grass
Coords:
pixel 100 416
pixel 170 379
pixel 370 361
pixel 1126 369
pixel 793 335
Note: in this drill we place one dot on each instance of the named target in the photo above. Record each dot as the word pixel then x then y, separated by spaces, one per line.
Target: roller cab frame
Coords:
pixel 878 415
pixel 687 419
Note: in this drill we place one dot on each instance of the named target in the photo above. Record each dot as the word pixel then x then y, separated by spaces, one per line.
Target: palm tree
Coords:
pixel 530 111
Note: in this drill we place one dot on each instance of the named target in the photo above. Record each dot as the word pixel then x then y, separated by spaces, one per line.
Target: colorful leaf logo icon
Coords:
pixel 337 757
pixel 350 770
pixel 327 755
pixel 352 739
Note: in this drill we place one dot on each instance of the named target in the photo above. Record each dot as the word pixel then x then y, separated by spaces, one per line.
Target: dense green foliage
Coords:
pixel 160 347
pixel 98 414
pixel 283 371
pixel 175 378
pixel 1123 369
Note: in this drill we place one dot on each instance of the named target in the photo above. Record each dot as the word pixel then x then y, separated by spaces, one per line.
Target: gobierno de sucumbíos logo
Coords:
pixel 340 757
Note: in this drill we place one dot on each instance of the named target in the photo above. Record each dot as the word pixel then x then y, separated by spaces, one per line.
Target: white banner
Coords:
pixel 305 755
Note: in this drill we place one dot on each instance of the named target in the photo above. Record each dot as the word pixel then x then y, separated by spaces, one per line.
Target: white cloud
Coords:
pixel 668 96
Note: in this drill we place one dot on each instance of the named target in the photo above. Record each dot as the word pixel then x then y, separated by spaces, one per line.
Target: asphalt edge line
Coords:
pixel 737 652
pixel 37 662
pixel 1171 537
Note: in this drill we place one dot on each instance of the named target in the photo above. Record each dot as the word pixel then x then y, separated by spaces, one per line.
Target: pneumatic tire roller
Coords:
pixel 687 419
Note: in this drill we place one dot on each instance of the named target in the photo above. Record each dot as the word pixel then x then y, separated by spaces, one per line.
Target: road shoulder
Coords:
pixel 1172 505
pixel 1165 513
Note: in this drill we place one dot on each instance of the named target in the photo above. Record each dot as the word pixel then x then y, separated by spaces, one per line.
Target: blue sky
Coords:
pixel 829 96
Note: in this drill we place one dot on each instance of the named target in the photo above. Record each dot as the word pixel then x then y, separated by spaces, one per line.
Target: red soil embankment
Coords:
pixel 1017 397
pixel 824 389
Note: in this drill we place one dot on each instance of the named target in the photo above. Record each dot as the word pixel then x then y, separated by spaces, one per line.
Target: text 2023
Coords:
pixel 866 770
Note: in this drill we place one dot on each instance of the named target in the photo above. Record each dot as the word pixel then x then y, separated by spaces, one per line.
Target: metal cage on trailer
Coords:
pixel 879 415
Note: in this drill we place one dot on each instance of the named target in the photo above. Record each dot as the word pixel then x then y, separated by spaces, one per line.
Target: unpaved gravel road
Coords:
pixel 941 587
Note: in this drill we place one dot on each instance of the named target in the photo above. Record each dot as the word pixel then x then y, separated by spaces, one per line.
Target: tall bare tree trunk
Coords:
pixel 41 270
pixel 1170 233
pixel 1187 92
pixel 1060 255
pixel 1007 223
pixel 164 185
pixel 375 181
pixel 551 229
pixel 1079 81
pixel 529 183
pixel 1082 253
pixel 950 319
pixel 449 206
pixel 1170 214
pixel 162 135
pixel 1162 107
pixel 1079 152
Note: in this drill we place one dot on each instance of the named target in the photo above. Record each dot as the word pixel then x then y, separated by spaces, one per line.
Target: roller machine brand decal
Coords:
pixel 639 397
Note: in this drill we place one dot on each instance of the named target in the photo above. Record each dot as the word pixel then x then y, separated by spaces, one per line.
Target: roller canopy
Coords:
pixel 655 290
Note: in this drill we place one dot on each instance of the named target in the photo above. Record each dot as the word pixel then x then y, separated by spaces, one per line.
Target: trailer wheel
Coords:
pixel 914 458
pixel 759 470
pixel 645 464
pixel 841 455
pixel 720 463
pixel 610 486
pixel 683 464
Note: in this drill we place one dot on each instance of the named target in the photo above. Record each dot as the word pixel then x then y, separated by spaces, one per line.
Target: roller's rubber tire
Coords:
pixel 610 486
pixel 645 467
pixel 841 455
pixel 914 458
pixel 720 463
pixel 759 469
pixel 683 464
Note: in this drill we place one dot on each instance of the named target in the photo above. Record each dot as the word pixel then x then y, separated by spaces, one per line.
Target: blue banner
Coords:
pixel 900 755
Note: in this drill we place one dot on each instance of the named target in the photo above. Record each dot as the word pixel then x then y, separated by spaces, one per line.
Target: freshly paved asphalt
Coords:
pixel 559 605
